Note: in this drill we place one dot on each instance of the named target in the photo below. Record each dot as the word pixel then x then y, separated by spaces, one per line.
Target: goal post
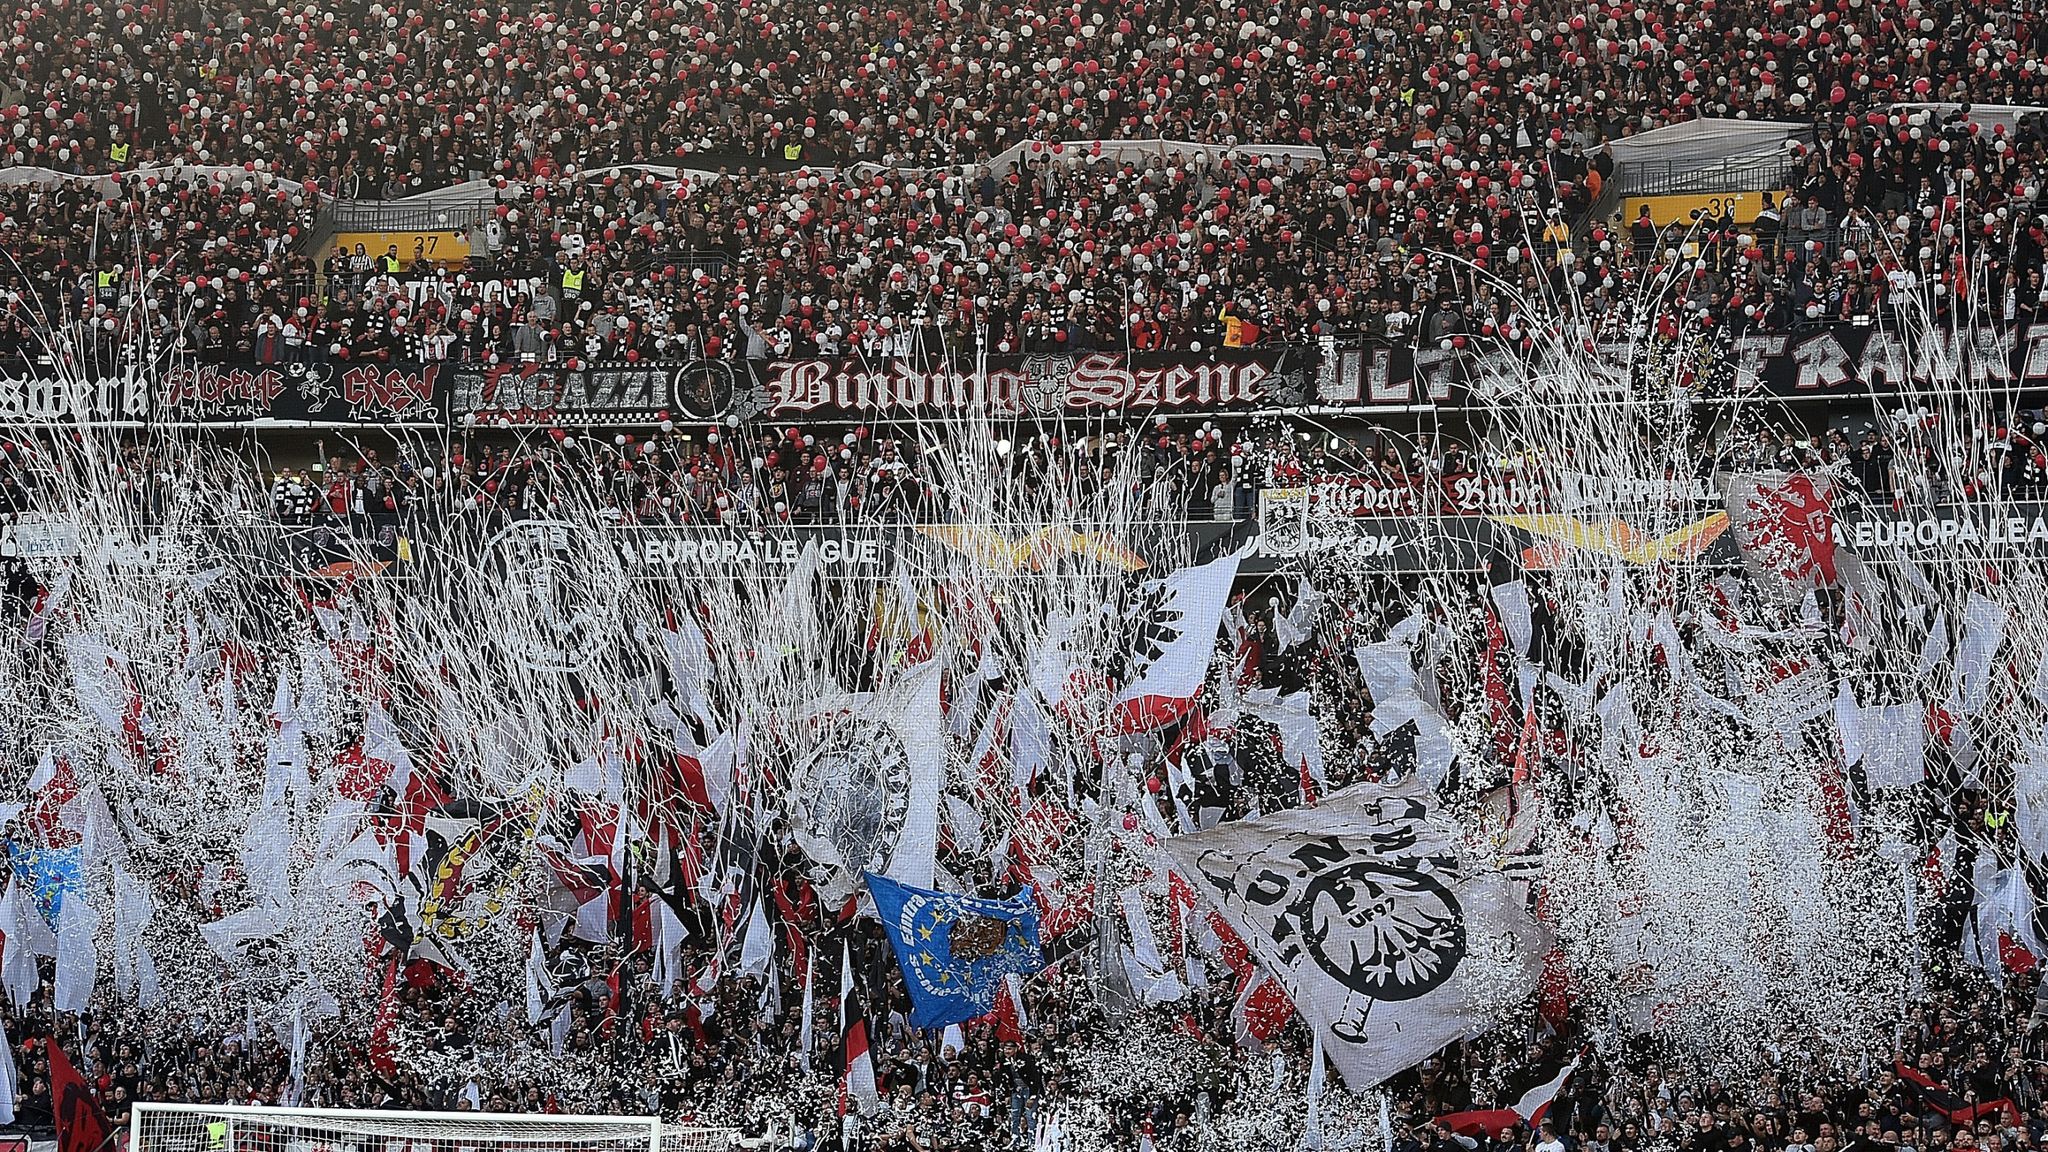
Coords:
pixel 223 1128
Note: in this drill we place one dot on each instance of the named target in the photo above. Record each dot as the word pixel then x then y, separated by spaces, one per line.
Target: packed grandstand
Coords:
pixel 955 574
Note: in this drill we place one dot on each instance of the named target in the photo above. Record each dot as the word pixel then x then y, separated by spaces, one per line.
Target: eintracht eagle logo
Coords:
pixel 1387 932
pixel 556 584
pixel 852 794
pixel 1369 910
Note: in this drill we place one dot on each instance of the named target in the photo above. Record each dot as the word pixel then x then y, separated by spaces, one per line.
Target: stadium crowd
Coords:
pixel 890 174
pixel 732 1052
pixel 882 179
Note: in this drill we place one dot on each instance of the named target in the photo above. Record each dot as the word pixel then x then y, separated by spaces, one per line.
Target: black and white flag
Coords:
pixel 1392 938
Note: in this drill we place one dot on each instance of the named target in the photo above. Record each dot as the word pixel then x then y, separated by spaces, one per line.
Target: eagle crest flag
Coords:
pixel 1174 624
pixel 956 952
pixel 1391 938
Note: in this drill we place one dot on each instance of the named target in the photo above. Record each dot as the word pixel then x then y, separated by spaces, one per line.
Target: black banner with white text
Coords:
pixel 1839 362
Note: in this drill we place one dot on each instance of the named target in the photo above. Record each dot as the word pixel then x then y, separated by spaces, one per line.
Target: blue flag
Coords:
pixel 956 951
pixel 50 874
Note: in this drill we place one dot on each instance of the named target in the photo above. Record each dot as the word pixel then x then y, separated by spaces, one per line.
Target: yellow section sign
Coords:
pixel 446 247
pixel 1679 209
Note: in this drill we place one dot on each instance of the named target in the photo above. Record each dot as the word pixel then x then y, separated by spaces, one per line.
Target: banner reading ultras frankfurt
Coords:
pixel 1368 909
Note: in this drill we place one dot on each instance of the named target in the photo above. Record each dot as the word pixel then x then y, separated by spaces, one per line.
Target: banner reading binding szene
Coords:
pixel 856 388
pixel 1233 379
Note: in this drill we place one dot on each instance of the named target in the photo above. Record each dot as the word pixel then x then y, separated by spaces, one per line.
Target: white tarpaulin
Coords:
pixel 1367 909
pixel 227 174
pixel 1707 142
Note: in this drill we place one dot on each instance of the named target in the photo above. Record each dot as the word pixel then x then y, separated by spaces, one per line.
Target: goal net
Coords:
pixel 208 1128
pixel 694 1138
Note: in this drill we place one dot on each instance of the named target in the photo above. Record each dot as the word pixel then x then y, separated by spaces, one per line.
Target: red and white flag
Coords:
pixel 1535 1103
pixel 1175 622
pixel 857 1083
pixel 1530 1109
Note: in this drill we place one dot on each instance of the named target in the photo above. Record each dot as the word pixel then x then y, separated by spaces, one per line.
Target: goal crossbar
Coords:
pixel 229 1128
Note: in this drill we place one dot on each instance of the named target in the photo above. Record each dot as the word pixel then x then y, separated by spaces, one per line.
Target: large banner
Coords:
pixel 1850 360
pixel 30 397
pixel 1367 376
pixel 1095 382
pixel 1281 540
pixel 1472 494
pixel 1952 530
pixel 690 390
pixel 1835 361
pixel 857 389
pixel 1392 937
pixel 331 393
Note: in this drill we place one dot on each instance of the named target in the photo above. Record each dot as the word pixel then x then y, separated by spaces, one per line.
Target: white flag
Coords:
pixel 1983 631
pixel 1936 646
pixel 382 745
pixel 669 935
pixel 1312 1126
pixel 7 1076
pixel 27 937
pixel 1398 699
pixel 1511 600
pixel 1296 726
pixel 757 947
pixel 1389 941
pixel 912 707
pixel 78 960
pixel 804 1032
pixel 1849 722
pixel 298 1064
pixel 1894 744
pixel 539 986
pixel 135 974
pixel 1176 621
pixel 2003 907
pixel 2030 797
pixel 867 792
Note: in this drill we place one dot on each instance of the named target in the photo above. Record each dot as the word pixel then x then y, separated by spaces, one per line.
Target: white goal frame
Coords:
pixel 373 1128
